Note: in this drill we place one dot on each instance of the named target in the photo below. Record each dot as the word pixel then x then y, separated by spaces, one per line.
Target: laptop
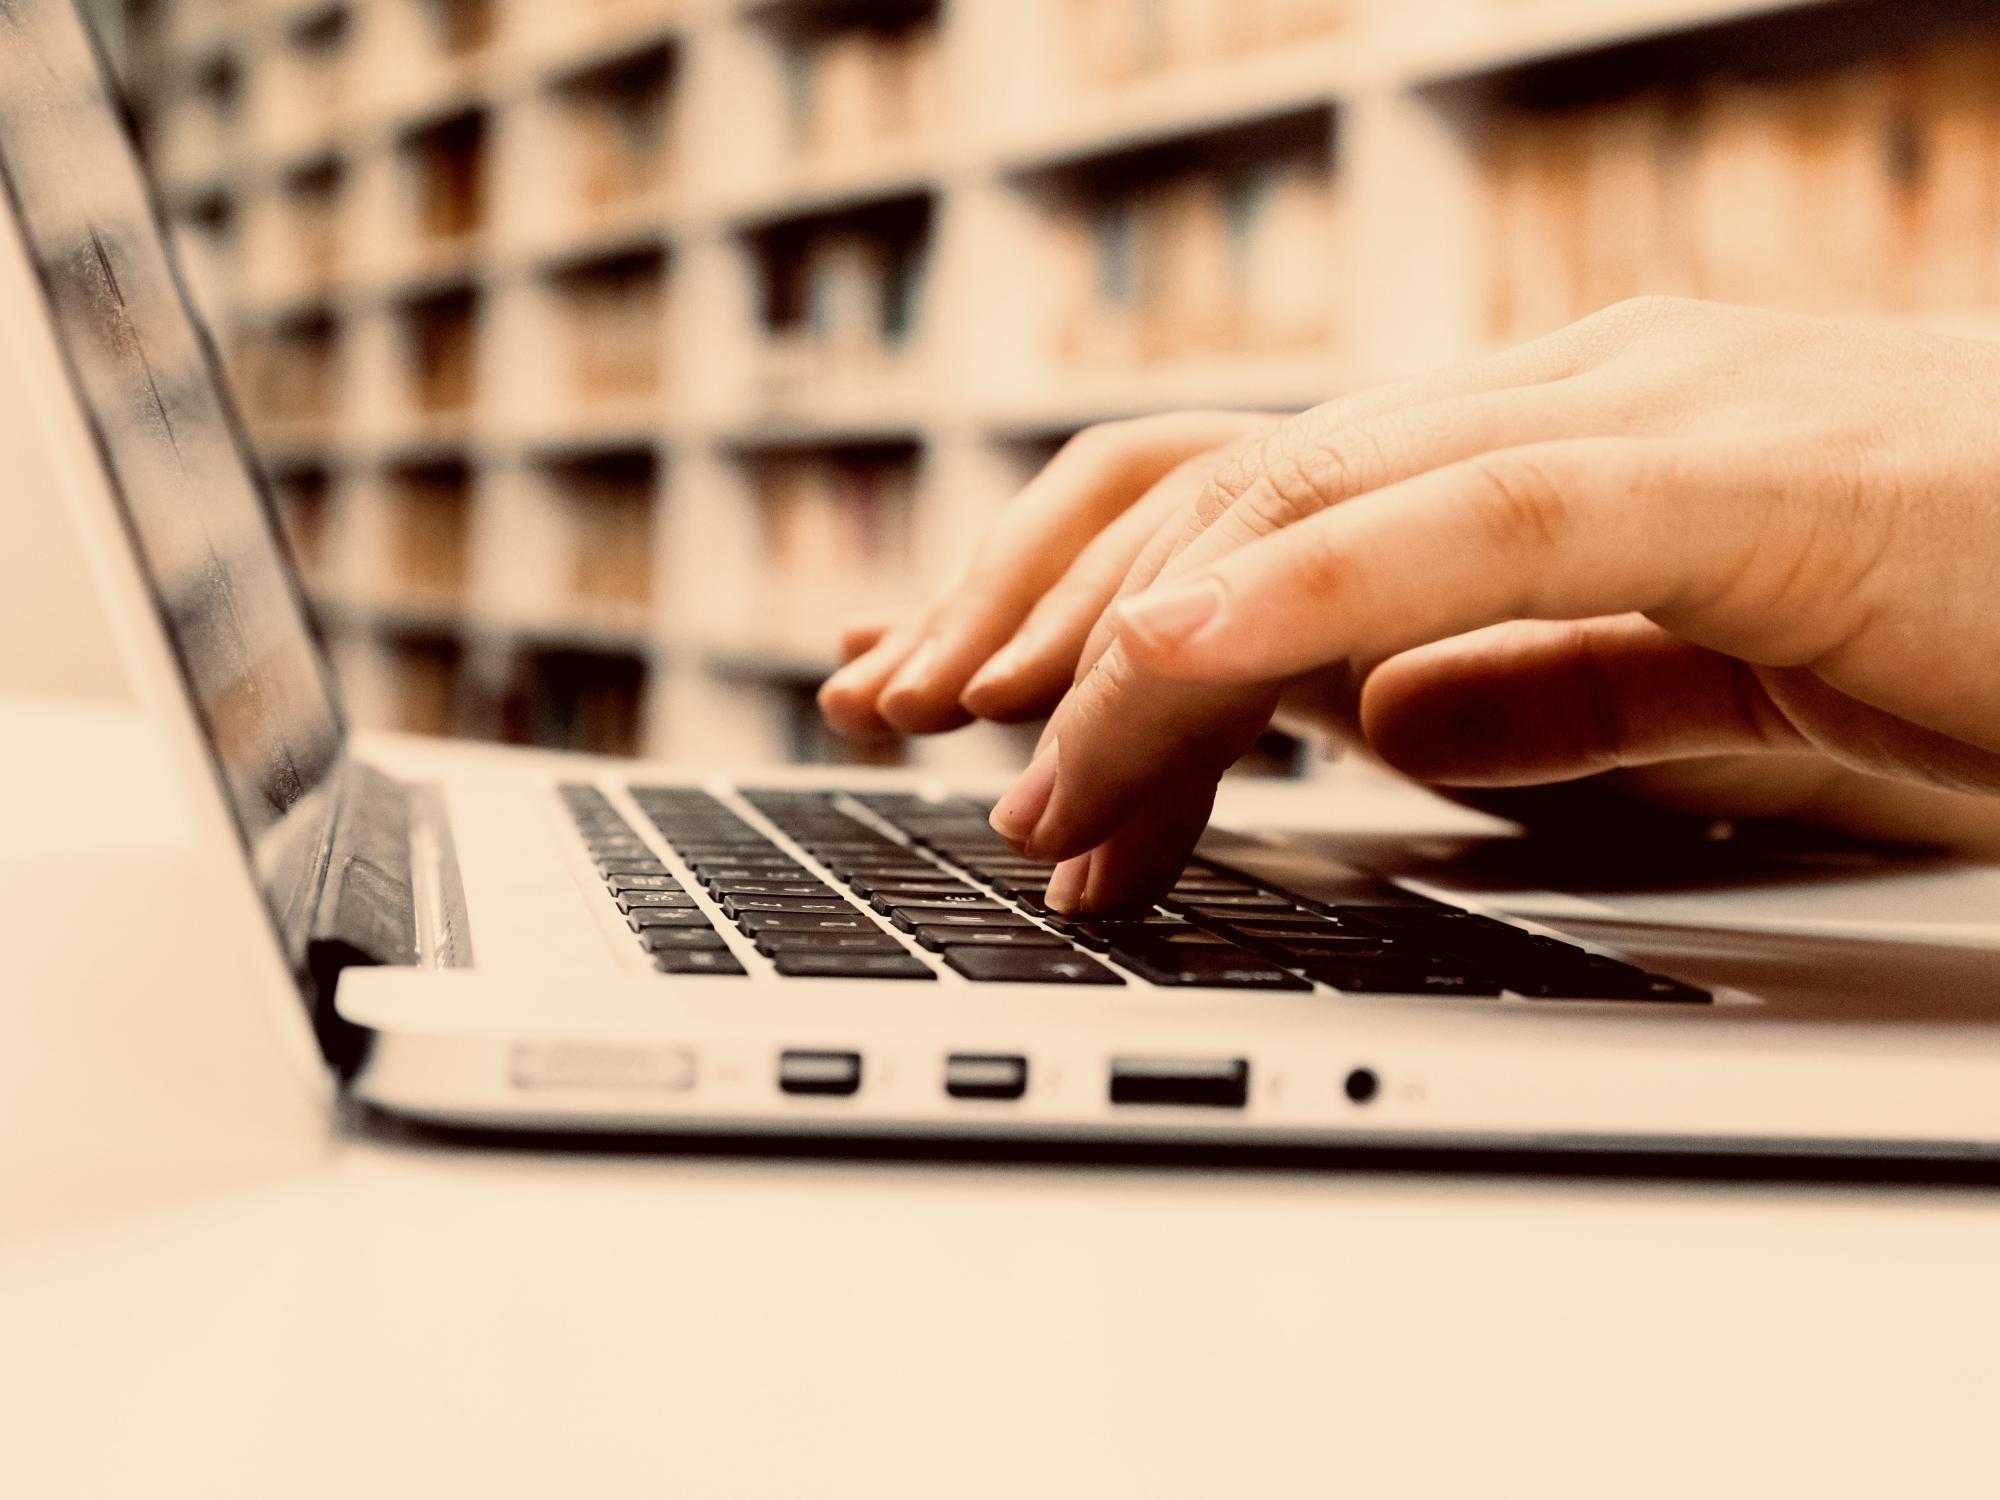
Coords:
pixel 618 948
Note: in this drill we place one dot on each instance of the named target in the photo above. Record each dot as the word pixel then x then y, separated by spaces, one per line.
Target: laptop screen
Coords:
pixel 200 524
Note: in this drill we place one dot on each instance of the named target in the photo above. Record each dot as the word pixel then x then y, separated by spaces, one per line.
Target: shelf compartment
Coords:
pixel 858 84
pixel 427 526
pixel 288 377
pixel 842 305
pixel 834 536
pixel 1202 255
pixel 438 337
pixel 573 699
pixel 610 318
pixel 615 123
pixel 443 170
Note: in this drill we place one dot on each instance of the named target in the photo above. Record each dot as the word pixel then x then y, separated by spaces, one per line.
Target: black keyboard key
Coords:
pixel 1140 939
pixel 877 941
pixel 824 904
pixel 910 917
pixel 920 890
pixel 805 964
pixel 697 961
pixel 632 900
pixel 1028 966
pixel 643 917
pixel 620 884
pixel 1399 976
pixel 609 868
pixel 936 938
pixel 797 921
pixel 716 876
pixel 974 901
pixel 801 888
pixel 1240 908
pixel 660 939
pixel 1210 968
pixel 1605 979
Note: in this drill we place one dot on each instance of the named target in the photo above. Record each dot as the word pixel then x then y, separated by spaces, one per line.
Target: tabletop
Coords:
pixel 385 1313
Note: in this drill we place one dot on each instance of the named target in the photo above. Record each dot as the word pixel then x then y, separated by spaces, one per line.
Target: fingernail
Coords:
pixel 1166 617
pixel 1005 665
pixel 914 675
pixel 1065 892
pixel 1016 814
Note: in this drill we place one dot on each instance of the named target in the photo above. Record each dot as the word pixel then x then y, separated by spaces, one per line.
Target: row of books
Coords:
pixel 845 308
pixel 1108 43
pixel 1873 188
pixel 836 538
pixel 618 124
pixel 608 507
pixel 429 533
pixel 288 377
pixel 574 700
pixel 613 319
pixel 854 92
pixel 1218 262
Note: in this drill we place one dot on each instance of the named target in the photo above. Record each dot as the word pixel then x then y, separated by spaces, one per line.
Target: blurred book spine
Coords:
pixel 1215 263
pixel 1871 188
pixel 836 533
pixel 854 93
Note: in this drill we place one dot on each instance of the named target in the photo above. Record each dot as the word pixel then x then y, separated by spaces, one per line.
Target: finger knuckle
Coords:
pixel 1290 475
pixel 1523 500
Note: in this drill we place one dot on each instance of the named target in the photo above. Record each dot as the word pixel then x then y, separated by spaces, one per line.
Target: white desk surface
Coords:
pixel 388 1318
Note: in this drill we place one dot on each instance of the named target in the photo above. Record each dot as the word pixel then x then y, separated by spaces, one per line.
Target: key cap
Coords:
pixel 643 917
pixel 799 888
pixel 1399 976
pixel 1606 980
pixel 798 921
pixel 806 964
pixel 659 939
pixel 612 868
pixel 1243 908
pixel 1211 968
pixel 1028 966
pixel 957 916
pixel 736 906
pixel 935 937
pixel 890 905
pixel 770 943
pixel 696 961
pixel 620 884
pixel 631 901
pixel 714 876
pixel 921 890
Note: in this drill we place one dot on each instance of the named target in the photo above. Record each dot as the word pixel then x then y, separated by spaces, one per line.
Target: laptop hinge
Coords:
pixel 367 906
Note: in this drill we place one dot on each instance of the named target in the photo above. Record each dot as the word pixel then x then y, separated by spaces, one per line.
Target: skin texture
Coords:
pixel 1689 559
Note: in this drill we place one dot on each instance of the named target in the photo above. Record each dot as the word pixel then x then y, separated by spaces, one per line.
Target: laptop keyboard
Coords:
pixel 894 876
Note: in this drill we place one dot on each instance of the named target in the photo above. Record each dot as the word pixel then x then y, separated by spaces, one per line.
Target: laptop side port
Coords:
pixel 828 1074
pixel 1180 1082
pixel 985 1075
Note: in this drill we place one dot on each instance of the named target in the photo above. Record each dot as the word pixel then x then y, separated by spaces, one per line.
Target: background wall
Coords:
pixel 604 353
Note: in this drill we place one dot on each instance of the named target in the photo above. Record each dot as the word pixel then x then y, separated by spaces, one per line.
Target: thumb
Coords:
pixel 1531 702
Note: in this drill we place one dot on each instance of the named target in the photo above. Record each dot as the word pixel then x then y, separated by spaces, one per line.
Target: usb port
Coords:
pixel 985 1075
pixel 835 1074
pixel 1188 1083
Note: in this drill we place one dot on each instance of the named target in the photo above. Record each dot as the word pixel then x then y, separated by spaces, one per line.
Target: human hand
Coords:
pixel 1001 641
pixel 1672 533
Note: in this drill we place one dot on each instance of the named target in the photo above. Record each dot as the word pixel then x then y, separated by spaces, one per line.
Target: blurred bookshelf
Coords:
pixel 605 353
